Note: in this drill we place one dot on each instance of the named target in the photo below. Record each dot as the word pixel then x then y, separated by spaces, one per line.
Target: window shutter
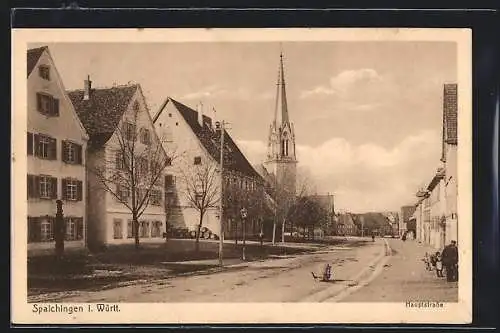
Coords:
pixel 64 151
pixel 53 149
pixel 79 190
pixel 34 229
pixel 54 187
pixel 30 143
pixel 30 229
pixel 36 186
pixel 55 107
pixel 78 154
pixel 52 222
pixel 64 184
pixel 29 188
pixel 79 228
pixel 37 144
pixel 39 102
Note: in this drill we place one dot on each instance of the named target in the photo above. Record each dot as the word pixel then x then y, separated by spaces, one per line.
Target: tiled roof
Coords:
pixel 102 112
pixel 33 56
pixel 235 160
pixel 450 113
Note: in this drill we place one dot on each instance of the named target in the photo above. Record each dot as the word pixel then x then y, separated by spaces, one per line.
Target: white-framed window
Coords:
pixel 44 146
pixel 71 189
pixel 71 152
pixel 45 187
pixel 46 231
pixel 71 229
pixel 117 228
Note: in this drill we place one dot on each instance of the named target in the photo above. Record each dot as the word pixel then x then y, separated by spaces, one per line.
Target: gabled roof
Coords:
pixel 102 112
pixel 235 160
pixel 33 56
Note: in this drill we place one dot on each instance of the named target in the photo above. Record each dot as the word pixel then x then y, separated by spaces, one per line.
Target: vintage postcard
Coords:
pixel 178 176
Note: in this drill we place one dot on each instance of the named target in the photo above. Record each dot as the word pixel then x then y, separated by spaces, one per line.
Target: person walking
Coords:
pixel 439 265
pixel 450 261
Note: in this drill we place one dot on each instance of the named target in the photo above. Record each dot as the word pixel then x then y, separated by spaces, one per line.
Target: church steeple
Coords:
pixel 281 107
pixel 281 159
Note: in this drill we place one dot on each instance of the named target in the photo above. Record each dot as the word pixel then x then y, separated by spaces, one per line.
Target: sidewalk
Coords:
pixel 405 279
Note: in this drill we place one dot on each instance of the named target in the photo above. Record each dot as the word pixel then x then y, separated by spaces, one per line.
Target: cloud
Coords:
pixel 344 82
pixel 207 92
pixel 214 91
pixel 365 177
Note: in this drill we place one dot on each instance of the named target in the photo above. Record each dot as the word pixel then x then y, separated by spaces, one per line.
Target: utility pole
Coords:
pixel 221 204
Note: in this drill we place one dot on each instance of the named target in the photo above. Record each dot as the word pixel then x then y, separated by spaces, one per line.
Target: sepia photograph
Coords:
pixel 291 172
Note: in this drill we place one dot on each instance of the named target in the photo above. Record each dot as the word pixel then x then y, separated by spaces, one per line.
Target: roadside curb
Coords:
pixel 338 291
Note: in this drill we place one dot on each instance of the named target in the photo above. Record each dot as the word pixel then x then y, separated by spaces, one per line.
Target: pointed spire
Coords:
pixel 281 107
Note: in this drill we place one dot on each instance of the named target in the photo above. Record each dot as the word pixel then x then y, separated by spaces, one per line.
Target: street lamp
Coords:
pixel 243 213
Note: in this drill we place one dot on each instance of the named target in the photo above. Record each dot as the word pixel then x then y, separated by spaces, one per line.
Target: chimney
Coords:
pixel 200 113
pixel 87 88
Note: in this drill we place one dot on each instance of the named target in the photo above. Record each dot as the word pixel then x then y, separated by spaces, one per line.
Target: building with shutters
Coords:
pixel 196 139
pixel 117 119
pixel 436 207
pixel 56 146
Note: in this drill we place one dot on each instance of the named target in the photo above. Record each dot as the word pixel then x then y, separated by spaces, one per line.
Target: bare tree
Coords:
pixel 201 187
pixel 287 204
pixel 133 168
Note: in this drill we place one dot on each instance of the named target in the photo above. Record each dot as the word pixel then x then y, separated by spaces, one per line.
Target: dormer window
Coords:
pixel 44 72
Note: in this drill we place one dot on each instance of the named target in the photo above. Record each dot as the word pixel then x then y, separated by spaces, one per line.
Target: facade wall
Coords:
pixel 437 212
pixel 105 209
pixel 180 139
pixel 451 195
pixel 63 127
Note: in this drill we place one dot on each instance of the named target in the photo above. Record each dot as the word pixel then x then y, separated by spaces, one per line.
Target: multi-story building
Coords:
pixel 56 146
pixel 436 208
pixel 124 155
pixel 437 220
pixel 196 139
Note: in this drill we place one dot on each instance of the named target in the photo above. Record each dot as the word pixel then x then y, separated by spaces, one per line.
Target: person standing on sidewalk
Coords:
pixel 450 261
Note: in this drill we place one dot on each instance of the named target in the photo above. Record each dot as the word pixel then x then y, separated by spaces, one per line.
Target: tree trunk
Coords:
pixel 283 231
pixel 197 243
pixel 135 222
pixel 274 231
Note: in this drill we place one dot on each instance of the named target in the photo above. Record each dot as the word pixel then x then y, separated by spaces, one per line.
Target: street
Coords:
pixel 362 272
pixel 287 279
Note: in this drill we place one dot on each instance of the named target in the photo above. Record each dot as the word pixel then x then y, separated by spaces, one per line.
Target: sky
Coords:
pixel 367 115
